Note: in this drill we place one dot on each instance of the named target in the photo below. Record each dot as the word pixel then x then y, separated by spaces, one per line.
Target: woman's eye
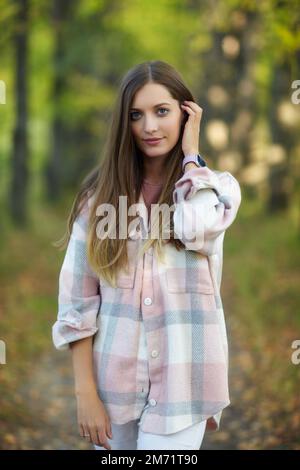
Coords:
pixel 136 112
pixel 165 109
pixel 133 113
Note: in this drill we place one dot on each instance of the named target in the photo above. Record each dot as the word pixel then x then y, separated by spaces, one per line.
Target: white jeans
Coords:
pixel 130 437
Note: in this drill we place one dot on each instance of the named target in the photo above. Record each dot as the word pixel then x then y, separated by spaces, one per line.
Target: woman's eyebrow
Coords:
pixel 137 109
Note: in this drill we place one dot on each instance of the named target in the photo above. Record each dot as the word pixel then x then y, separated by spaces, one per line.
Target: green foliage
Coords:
pixel 84 56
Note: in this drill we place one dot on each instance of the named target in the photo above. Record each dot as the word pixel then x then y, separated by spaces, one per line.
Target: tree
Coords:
pixel 19 182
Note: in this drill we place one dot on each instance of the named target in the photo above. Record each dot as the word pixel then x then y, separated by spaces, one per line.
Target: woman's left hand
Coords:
pixel 190 138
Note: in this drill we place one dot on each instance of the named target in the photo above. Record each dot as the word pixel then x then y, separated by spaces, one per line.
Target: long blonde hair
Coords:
pixel 121 172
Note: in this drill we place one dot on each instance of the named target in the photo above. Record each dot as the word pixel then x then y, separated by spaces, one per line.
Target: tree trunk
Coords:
pixel 19 183
pixel 53 170
pixel 279 173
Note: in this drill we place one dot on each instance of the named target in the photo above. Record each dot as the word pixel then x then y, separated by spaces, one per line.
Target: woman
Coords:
pixel 144 319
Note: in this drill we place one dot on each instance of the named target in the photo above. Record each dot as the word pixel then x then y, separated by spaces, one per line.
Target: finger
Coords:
pixel 103 440
pixel 94 436
pixel 81 430
pixel 86 433
pixel 188 109
pixel 193 105
pixel 195 108
pixel 109 431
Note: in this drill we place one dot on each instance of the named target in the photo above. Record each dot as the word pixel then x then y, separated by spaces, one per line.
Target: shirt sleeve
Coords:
pixel 205 206
pixel 79 296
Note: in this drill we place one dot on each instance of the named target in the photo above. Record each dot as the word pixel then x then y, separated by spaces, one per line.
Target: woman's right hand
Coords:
pixel 93 420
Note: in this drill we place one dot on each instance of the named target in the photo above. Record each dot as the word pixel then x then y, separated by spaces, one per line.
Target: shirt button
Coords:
pixel 152 402
pixel 147 301
pixel 154 353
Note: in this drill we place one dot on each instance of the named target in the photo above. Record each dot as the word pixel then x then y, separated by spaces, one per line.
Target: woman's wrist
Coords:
pixel 190 166
pixel 86 392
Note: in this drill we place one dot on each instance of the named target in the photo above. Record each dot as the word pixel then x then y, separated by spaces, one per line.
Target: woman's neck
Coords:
pixel 153 170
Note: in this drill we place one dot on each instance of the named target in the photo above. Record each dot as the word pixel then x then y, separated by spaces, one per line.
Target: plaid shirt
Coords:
pixel 160 346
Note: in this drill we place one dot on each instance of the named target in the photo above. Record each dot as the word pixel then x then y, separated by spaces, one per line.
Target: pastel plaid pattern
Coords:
pixel 160 344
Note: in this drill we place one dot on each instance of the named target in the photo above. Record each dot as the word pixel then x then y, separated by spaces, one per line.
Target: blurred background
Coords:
pixel 60 65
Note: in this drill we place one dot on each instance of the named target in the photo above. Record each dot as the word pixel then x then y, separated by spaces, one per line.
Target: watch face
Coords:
pixel 201 161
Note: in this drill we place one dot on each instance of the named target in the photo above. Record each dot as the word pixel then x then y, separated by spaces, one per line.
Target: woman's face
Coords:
pixel 155 114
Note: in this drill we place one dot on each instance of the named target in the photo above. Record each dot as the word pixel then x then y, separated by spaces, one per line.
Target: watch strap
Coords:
pixel 195 158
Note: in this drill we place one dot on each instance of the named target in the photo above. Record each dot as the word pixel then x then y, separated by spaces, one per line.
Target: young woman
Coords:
pixel 143 315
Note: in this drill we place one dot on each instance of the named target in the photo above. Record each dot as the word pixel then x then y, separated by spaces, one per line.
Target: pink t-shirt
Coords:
pixel 151 193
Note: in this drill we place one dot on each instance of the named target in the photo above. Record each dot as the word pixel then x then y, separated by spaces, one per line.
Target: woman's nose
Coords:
pixel 150 124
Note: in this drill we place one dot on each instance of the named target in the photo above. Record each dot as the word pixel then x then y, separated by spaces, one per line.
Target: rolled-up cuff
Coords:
pixel 73 328
pixel 194 180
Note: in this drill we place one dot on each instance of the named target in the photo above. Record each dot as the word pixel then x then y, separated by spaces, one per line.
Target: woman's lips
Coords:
pixel 153 142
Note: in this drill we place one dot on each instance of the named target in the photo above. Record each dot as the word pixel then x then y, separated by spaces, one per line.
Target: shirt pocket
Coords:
pixel 125 278
pixel 190 278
